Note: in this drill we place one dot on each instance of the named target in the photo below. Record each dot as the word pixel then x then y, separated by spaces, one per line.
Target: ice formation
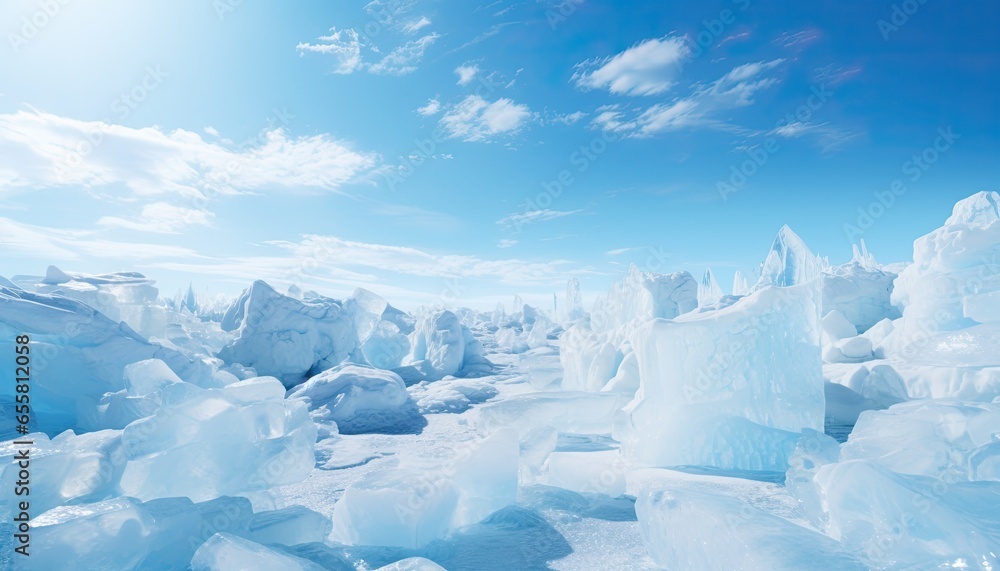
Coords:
pixel 79 355
pixel 835 417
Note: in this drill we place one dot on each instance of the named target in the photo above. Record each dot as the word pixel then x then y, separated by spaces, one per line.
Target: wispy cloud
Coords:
pixel 403 59
pixel 700 109
pixel 506 243
pixel 797 39
pixel 416 25
pixel 647 68
pixel 476 119
pixel 60 244
pixel 344 47
pixel 520 219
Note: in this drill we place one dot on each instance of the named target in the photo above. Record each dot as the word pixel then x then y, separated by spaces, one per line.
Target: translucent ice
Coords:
pixel 728 388
pixel 926 438
pixel 789 262
pixel 226 552
pixel 203 443
pixel 77 355
pixel 423 499
pixel 692 529
pixel 293 525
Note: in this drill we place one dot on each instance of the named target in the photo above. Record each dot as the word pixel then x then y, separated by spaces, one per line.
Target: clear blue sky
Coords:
pixel 242 139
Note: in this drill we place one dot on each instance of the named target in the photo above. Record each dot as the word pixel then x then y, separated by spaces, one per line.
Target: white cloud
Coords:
pixel 342 45
pixel 506 243
pixel 466 73
pixel 433 107
pixel 700 109
pixel 162 218
pixel 475 119
pixel 519 219
pixel 647 68
pixel 44 150
pixel 416 25
pixel 620 251
pixel 402 60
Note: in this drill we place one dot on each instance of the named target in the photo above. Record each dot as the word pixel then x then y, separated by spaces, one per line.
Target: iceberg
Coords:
pixel 441 345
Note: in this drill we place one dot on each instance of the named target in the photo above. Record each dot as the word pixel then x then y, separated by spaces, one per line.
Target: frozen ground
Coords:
pixel 820 417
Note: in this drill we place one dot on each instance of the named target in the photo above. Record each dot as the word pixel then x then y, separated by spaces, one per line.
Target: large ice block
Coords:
pixel 728 388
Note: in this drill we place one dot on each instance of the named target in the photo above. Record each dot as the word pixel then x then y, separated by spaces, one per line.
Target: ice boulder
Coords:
pixel 955 272
pixel 944 439
pixel 293 525
pixel 693 529
pixel 77 355
pixel 125 533
pixel 442 346
pixel 590 359
pixel 286 338
pixel 68 469
pixel 642 296
pixel 226 552
pixel 359 400
pixel 730 388
pixel 423 499
pixel 906 522
pixel 860 291
pixel 204 443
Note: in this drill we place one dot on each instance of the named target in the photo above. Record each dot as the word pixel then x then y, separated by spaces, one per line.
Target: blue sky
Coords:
pixel 465 152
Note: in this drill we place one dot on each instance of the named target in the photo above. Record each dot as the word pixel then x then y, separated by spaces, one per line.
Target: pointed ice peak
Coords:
pixel 980 210
pixel 864 258
pixel 709 291
pixel 574 300
pixel 789 262
pixel 54 275
pixel 740 286
pixel 190 300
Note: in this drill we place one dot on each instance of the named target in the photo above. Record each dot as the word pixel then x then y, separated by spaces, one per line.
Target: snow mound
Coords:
pixel 451 395
pixel 729 388
pixel 359 400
